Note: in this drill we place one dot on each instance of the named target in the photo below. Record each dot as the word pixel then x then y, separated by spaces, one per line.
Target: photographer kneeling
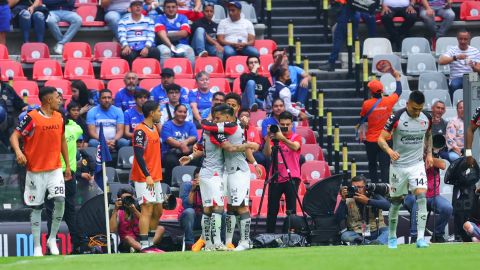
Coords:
pixel 360 206
pixel 124 221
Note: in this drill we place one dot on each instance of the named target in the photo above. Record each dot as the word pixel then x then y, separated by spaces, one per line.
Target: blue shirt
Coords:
pixel 203 100
pixel 269 122
pixel 110 118
pixel 180 22
pixel 179 133
pixel 158 94
pixel 295 76
pixel 133 118
pixel 125 100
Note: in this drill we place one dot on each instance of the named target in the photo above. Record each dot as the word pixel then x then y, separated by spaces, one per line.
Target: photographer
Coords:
pixel 124 220
pixel 359 207
pixel 289 143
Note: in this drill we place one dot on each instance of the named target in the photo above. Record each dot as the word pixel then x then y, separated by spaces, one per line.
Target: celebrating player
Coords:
pixel 43 133
pixel 411 131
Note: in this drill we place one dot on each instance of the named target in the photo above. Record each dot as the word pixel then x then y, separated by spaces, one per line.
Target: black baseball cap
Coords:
pixel 167 72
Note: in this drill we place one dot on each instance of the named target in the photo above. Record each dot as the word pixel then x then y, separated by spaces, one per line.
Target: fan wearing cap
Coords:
pixel 376 120
pixel 159 92
pixel 136 34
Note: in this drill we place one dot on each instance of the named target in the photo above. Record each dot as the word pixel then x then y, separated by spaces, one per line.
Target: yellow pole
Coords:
pixel 336 139
pixel 298 51
pixel 269 5
pixel 365 69
pixel 314 87
pixel 290 33
pixel 306 65
pixel 353 170
pixel 320 106
pixel 357 51
pixel 344 157
pixel 349 34
pixel 329 123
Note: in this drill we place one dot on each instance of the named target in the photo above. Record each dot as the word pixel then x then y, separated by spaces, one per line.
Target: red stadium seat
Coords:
pixel 257 117
pixel 236 86
pixel 255 202
pixel 47 69
pixel 88 14
pixel 113 69
pixel 76 69
pixel 29 88
pixel 220 84
pixel 181 66
pixel 94 84
pixel 187 83
pixel 312 152
pixel 115 85
pixel 146 68
pixel 11 69
pixel 149 84
pixel 470 11
pixel 77 50
pixel 266 61
pixel 105 50
pixel 299 209
pixel 172 214
pixel 253 172
pixel 235 66
pixel 4 52
pixel 302 189
pixel 265 46
pixel 85 3
pixel 34 51
pixel 256 188
pixel 63 86
pixel 307 135
pixel 212 65
pixel 314 171
pixel 33 100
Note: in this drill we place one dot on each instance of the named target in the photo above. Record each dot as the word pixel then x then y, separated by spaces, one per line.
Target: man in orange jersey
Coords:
pixel 43 133
pixel 147 171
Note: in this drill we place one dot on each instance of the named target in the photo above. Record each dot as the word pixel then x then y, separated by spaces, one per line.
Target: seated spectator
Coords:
pixel 462 59
pixel 178 138
pixel 124 99
pixel 173 31
pixel 5 16
pixel 125 221
pixel 201 98
pixel 278 106
pixel 25 14
pixel 455 134
pixel 173 95
pixel 217 98
pixel 13 105
pixel 443 207
pixel 136 34
pixel 112 119
pixel 253 135
pixel 73 113
pixel 472 223
pixel 441 8
pixel 204 31
pixel 83 97
pixel 236 34
pixel 61 11
pixel 114 11
pixel 191 215
pixel 351 212
pixel 151 8
pixel 134 116
pixel 439 125
pixel 254 86
pixel 280 90
pixel 192 9
pixel 300 79
pixel 398 8
pixel 159 93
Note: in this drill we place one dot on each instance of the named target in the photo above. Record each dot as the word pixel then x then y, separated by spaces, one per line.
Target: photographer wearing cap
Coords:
pixel 361 210
pixel 124 221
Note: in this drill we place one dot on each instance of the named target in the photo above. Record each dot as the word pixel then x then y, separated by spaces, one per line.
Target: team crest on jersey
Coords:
pixel 84 162
pixel 31 198
pixel 177 24
pixel 138 33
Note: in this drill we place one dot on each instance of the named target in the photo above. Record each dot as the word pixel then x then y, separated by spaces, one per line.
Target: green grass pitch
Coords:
pixel 406 257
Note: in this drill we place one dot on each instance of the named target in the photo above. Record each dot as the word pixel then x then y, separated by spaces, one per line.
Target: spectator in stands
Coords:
pixel 217 98
pixel 136 34
pixel 443 207
pixel 236 34
pixel 151 8
pixel 375 111
pixel 201 98
pixel 83 97
pixel 168 109
pixel 439 125
pixel 455 134
pixel 178 138
pixel 134 116
pixel 112 119
pixel 398 8
pixel 73 114
pixel 62 11
pixel 114 11
pixel 253 135
pixel 125 221
pixel 173 31
pixel 254 86
pixel 300 79
pixel 472 225
pixel 441 8
pixel 204 31
pixel 159 93
pixel 281 90
pixel 5 16
pixel 192 212
pixel 25 13
pixel 192 9
pixel 124 99
pixel 12 104
pixel 462 59
pixel 351 212
pixel 278 106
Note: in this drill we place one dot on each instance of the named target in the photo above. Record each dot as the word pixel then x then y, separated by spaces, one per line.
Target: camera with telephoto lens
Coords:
pixel 370 189
pixel 277 128
pixel 127 201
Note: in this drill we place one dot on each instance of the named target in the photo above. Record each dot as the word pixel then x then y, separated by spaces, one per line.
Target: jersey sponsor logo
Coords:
pixel 412 139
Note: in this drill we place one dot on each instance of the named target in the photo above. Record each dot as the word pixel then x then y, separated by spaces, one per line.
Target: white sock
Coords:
pixel 421 216
pixel 230 221
pixel 58 209
pixel 151 234
pixel 36 223
pixel 216 223
pixel 206 229
pixel 245 222
pixel 393 220
pixel 144 241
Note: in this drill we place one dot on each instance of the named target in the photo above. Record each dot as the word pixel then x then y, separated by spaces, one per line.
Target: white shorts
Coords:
pixel 211 189
pixel 238 188
pixel 403 179
pixel 37 183
pixel 149 196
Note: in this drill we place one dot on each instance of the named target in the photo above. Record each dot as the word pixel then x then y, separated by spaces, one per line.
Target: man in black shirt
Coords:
pixel 254 86
pixel 13 105
pixel 204 41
